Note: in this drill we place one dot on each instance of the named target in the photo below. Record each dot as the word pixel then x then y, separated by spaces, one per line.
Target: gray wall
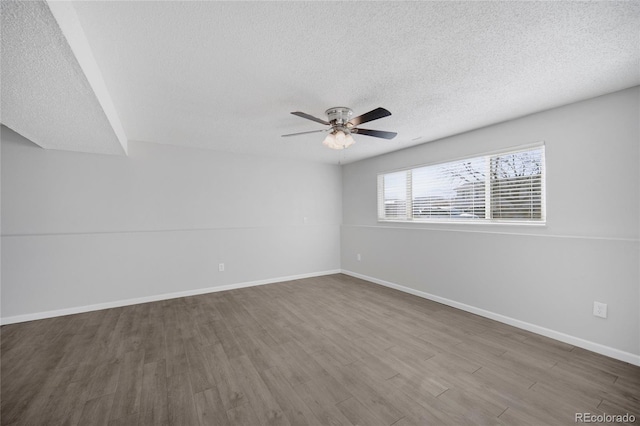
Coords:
pixel 543 276
pixel 83 229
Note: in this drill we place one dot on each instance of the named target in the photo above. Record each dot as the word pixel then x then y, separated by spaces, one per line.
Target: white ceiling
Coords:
pixel 52 90
pixel 225 75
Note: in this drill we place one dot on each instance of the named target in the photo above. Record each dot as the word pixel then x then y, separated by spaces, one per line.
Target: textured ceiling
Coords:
pixel 52 91
pixel 225 75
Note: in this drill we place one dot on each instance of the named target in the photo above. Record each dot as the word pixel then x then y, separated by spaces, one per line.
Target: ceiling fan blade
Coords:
pixel 304 133
pixel 370 116
pixel 310 117
pixel 375 133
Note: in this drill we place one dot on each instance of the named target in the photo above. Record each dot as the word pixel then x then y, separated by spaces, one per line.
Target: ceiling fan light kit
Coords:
pixel 338 140
pixel 343 126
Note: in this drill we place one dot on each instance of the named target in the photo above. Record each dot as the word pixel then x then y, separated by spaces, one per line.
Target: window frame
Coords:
pixel 486 156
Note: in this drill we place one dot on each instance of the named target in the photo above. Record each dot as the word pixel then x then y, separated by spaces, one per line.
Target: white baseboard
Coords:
pixel 155 298
pixel 566 338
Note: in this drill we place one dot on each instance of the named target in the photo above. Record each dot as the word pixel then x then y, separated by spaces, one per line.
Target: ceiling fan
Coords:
pixel 343 126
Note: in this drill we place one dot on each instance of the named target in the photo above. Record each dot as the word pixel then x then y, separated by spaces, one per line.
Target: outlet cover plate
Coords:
pixel 600 309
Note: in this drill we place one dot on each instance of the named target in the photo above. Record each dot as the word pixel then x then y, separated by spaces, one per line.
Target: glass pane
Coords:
pixel 516 185
pixel 395 195
pixel 453 190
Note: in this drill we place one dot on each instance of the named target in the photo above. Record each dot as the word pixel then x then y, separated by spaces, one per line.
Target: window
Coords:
pixel 505 187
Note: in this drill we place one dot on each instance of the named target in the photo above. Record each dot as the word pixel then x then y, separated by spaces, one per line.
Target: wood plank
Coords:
pixel 258 394
pixel 129 389
pixel 242 415
pixel 103 380
pixel 153 402
pixel 362 387
pixel 96 411
pixel 130 420
pixel 200 373
pixel 229 388
pixel 181 408
pixel 291 404
pixel 210 408
pixel 358 414
pixel 322 404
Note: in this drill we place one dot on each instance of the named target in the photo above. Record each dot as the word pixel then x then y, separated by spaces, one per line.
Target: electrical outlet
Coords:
pixel 359 256
pixel 221 267
pixel 600 309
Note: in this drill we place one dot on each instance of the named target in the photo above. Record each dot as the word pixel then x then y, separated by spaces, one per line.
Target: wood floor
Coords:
pixel 331 350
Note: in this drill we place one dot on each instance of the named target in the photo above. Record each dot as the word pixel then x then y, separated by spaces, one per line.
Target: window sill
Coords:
pixel 467 222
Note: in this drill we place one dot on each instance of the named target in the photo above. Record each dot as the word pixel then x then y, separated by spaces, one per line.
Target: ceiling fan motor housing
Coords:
pixel 339 117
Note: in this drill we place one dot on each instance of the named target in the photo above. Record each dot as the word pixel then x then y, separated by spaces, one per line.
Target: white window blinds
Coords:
pixel 453 190
pixel 516 185
pixel 392 195
pixel 503 187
